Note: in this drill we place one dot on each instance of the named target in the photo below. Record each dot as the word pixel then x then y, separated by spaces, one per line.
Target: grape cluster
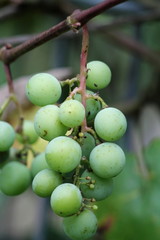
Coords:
pixel 80 160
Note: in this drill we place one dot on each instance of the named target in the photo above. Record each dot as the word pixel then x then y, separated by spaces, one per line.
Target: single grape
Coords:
pixel 82 226
pixel 7 136
pixel 98 76
pixel 107 160
pixel 63 154
pixel 110 124
pixel 45 182
pixel 102 187
pixel 29 134
pixel 93 106
pixel 15 178
pixel 66 200
pixel 38 163
pixel 43 89
pixel 87 144
pixel 72 113
pixel 47 123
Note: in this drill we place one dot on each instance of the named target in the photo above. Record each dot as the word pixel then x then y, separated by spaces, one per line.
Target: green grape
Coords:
pixel 66 200
pixel 82 226
pixel 107 160
pixel 45 182
pixel 102 187
pixel 15 178
pixel 110 124
pixel 7 136
pixel 43 89
pixel 93 106
pixel 29 134
pixel 38 163
pixel 98 76
pixel 63 154
pixel 87 144
pixel 47 123
pixel 72 113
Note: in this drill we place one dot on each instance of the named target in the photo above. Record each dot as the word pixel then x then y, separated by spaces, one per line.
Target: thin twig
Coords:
pixel 9 78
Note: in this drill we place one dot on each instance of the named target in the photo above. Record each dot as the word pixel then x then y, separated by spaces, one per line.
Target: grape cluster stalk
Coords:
pixel 81 158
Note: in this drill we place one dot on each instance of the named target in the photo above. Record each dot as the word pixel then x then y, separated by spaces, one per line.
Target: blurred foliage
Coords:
pixel 134 206
pixel 133 210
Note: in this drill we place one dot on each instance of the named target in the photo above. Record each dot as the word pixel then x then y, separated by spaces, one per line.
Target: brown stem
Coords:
pixel 13 96
pixel 117 23
pixel 81 17
pixel 83 64
pixel 83 70
pixel 9 78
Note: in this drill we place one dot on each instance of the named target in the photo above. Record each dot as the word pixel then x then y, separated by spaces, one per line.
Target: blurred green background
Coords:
pixel 127 38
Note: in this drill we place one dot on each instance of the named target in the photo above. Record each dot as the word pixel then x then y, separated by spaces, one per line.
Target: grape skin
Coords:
pixel 107 160
pixel 110 124
pixel 82 226
pixel 66 200
pixel 29 134
pixel 98 76
pixel 7 136
pixel 102 187
pixel 45 182
pixel 72 113
pixel 38 163
pixel 15 178
pixel 43 89
pixel 63 154
pixel 87 144
pixel 93 106
pixel 47 123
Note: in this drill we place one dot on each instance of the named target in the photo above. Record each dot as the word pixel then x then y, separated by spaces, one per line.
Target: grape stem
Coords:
pixel 12 96
pixel 98 98
pixel 9 78
pixel 83 71
pixel 76 176
pixel 69 82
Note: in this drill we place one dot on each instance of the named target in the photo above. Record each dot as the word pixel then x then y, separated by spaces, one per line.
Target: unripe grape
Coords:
pixel 93 106
pixel 82 226
pixel 102 187
pixel 29 134
pixel 107 160
pixel 98 76
pixel 63 154
pixel 7 136
pixel 72 113
pixel 15 178
pixel 66 200
pixel 47 123
pixel 87 144
pixel 110 124
pixel 43 89
pixel 38 163
pixel 45 182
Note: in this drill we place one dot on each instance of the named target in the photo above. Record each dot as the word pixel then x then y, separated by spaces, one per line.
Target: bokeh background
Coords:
pixel 127 38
